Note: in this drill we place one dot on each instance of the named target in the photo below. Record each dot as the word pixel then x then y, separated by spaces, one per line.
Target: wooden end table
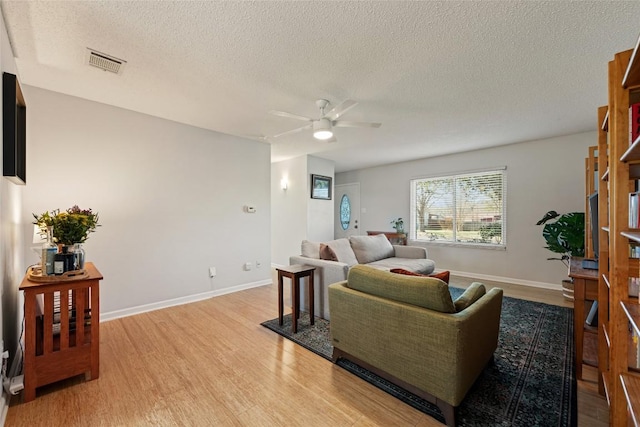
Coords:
pixel 295 273
pixel 58 349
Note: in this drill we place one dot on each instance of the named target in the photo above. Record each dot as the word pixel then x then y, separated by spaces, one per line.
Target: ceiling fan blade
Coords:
pixel 289 132
pixel 339 110
pixel 290 116
pixel 346 124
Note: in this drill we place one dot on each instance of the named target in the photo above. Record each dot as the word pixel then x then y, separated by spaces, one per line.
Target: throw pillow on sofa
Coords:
pixel 327 253
pixel 310 249
pixel 443 275
pixel 371 248
pixel 473 293
pixel 343 251
pixel 340 248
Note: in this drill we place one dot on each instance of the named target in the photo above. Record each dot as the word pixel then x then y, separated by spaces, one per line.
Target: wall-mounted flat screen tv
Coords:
pixel 14 121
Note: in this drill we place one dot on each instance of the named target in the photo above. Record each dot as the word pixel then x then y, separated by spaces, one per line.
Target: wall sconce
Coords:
pixel 284 184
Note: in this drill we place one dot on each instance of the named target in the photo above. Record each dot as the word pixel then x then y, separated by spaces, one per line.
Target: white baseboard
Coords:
pixel 543 285
pixel 111 315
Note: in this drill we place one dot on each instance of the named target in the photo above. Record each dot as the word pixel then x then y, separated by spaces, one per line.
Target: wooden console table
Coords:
pixel 62 329
pixel 585 288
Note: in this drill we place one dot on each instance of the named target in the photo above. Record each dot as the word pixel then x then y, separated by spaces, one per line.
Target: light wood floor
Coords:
pixel 211 363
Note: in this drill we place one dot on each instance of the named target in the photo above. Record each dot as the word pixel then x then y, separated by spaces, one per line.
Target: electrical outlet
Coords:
pixel 248 266
pixel 212 272
pixel 258 264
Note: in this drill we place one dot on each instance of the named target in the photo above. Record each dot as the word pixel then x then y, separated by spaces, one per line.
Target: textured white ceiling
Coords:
pixel 442 77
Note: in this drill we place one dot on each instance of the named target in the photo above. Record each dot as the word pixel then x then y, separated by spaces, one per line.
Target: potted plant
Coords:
pixel 564 236
pixel 398 225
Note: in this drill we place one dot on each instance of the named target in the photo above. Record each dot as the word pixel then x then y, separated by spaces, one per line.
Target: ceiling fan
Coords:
pixel 323 126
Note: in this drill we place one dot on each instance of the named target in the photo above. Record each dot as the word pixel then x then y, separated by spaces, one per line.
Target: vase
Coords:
pixel 49 250
pixel 79 254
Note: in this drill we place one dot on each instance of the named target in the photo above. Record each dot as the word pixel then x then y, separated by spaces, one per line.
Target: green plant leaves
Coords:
pixel 566 234
pixel 548 216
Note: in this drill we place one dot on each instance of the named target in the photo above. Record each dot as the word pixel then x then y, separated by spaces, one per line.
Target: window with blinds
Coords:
pixel 467 209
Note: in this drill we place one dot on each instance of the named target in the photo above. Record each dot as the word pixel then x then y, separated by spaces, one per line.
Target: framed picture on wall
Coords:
pixel 320 187
pixel 14 124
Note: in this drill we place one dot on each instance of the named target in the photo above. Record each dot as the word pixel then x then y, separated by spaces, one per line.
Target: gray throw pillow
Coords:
pixel 343 251
pixel 371 248
pixel 310 249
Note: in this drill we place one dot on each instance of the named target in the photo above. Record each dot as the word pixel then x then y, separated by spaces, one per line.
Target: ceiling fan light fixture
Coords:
pixel 322 129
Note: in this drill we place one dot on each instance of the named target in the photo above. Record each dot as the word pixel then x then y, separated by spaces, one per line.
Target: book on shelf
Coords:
pixel 634 206
pixel 634 122
pixel 634 286
pixel 634 250
pixel 636 343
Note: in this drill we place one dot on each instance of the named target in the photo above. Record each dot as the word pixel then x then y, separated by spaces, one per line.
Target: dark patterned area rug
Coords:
pixel 531 384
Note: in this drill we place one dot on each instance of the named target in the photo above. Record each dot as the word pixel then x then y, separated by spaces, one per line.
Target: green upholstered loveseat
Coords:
pixel 409 330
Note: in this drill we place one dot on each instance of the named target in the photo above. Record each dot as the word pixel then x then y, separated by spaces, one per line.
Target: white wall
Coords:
pixel 170 199
pixel 541 176
pixel 320 214
pixel 295 216
pixel 11 244
pixel 288 208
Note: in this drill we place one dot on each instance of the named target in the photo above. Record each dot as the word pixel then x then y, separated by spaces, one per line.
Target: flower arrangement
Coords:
pixel 70 226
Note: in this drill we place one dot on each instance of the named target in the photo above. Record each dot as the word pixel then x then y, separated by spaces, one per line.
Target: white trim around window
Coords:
pixel 466 209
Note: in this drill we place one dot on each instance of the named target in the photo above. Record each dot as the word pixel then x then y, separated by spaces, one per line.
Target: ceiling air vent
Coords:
pixel 105 62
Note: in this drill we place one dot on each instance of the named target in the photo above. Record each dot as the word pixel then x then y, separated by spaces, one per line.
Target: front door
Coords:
pixel 347 210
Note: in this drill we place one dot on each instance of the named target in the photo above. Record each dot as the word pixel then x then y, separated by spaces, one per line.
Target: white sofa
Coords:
pixel 375 251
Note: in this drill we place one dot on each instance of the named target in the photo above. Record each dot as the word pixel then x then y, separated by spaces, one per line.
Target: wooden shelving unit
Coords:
pixel 592 186
pixel 633 152
pixel 619 315
pixel 633 235
pixel 632 74
pixel 604 343
pixel 631 387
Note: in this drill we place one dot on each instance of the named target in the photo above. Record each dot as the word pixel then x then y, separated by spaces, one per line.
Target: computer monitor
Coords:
pixel 593 217
pixel 592 264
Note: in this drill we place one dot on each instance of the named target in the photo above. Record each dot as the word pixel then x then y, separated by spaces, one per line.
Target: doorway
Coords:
pixel 347 210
